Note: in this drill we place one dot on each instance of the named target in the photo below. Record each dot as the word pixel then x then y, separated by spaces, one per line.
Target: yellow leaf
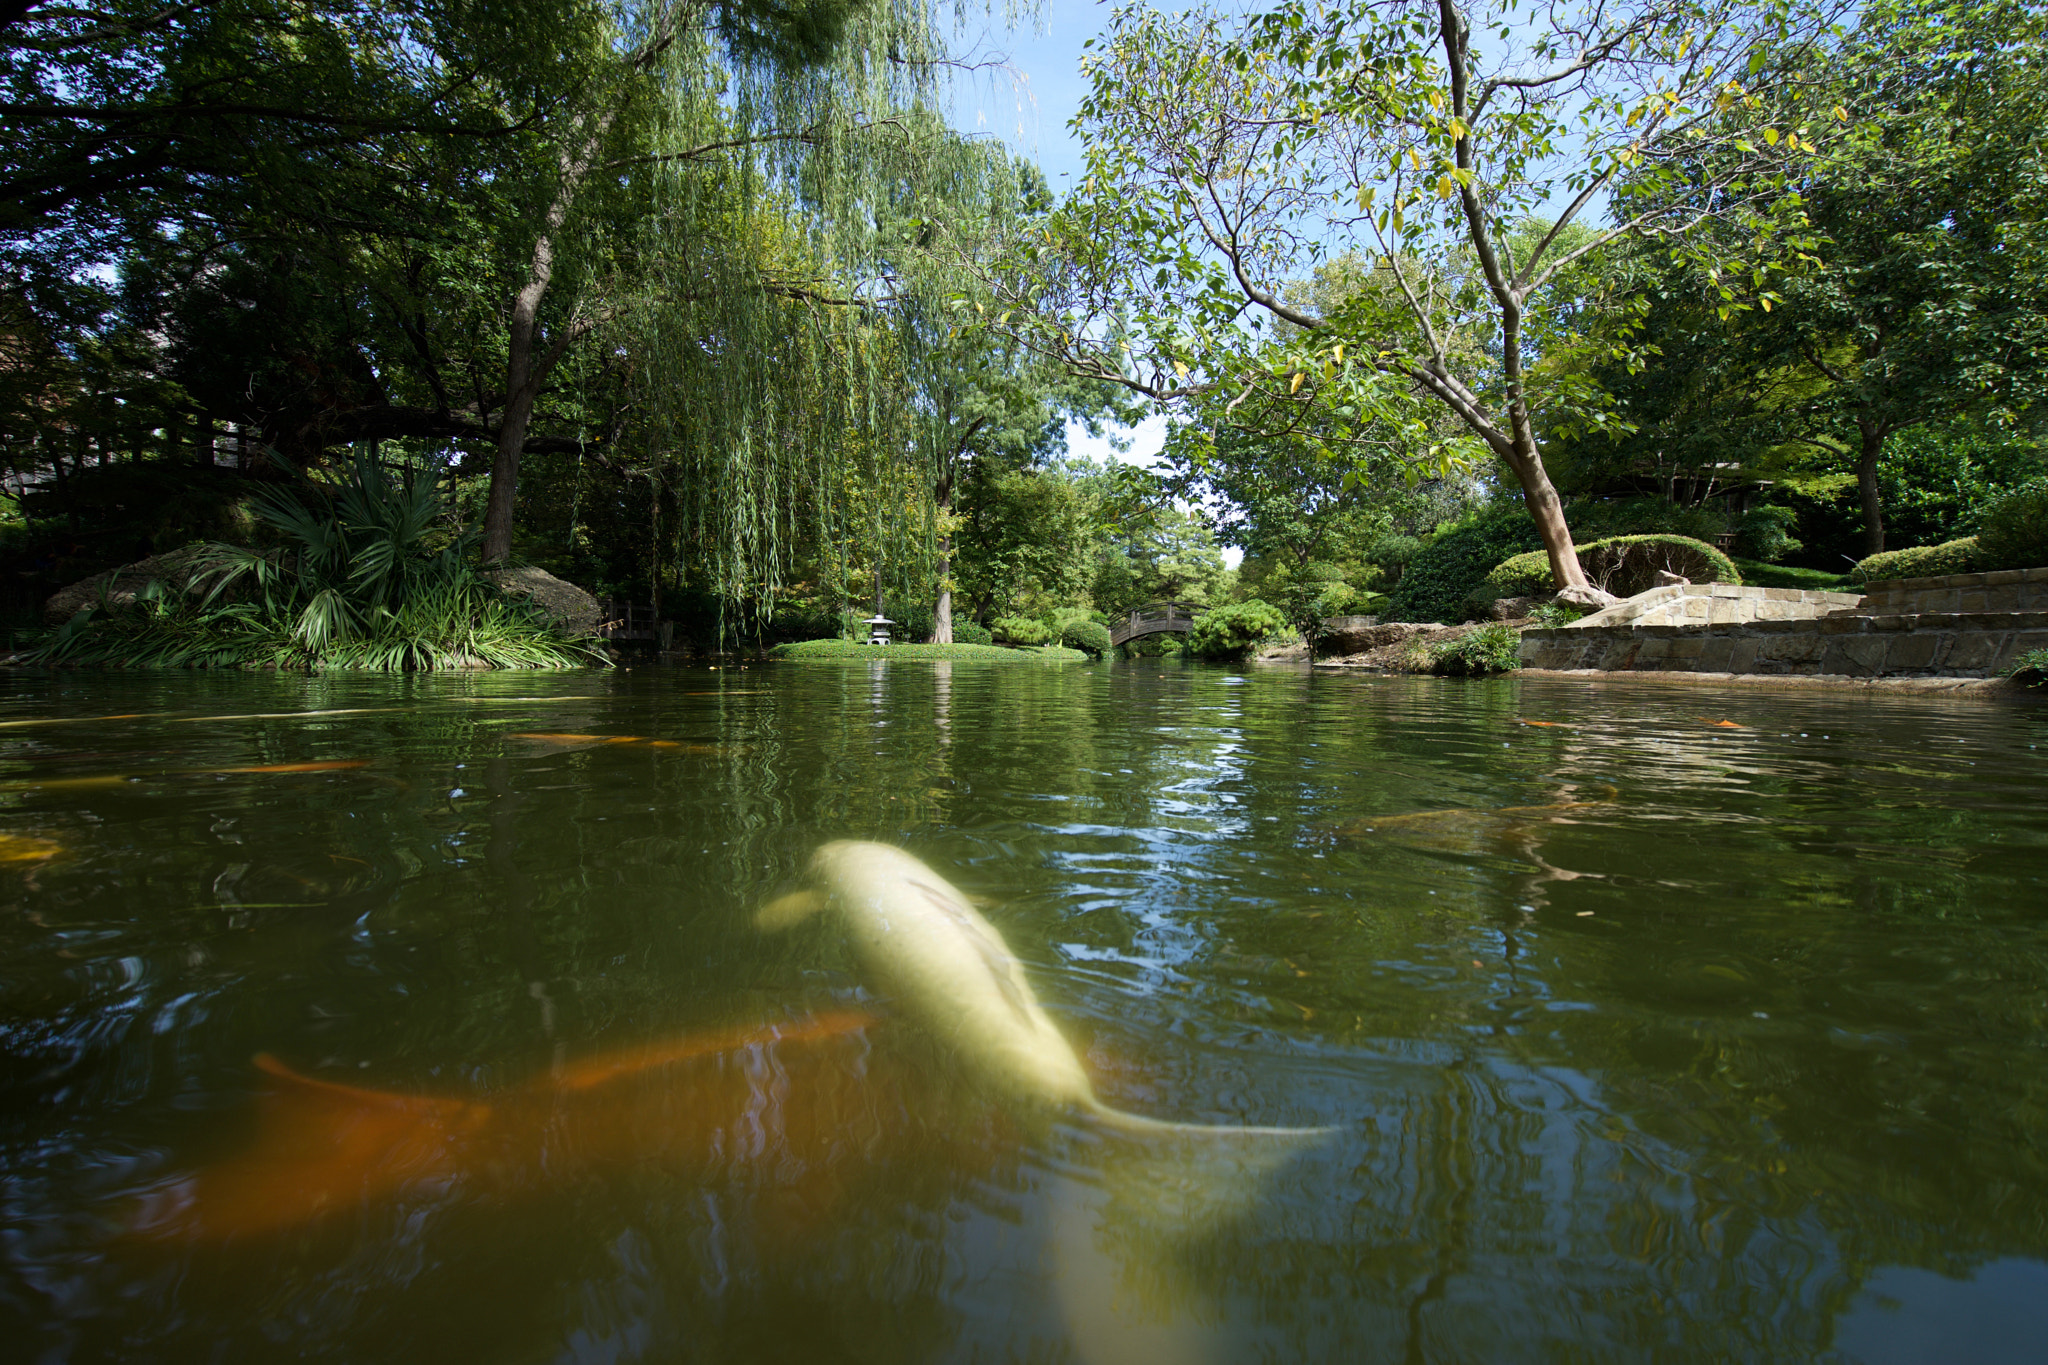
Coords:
pixel 1765 300
pixel 1339 353
pixel 1443 187
pixel 1841 114
pixel 1295 387
pixel 1180 369
pixel 1415 157
pixel 1771 136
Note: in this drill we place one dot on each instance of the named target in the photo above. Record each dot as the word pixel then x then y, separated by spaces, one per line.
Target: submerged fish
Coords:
pixel 1548 724
pixel 918 938
pixel 1472 831
pixel 570 740
pixel 26 848
pixel 1721 724
pixel 792 1099
pixel 328 765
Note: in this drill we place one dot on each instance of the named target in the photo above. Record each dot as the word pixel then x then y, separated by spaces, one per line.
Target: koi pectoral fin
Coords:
pixel 785 911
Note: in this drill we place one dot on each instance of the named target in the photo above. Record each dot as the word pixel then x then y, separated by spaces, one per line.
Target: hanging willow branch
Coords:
pixel 795 283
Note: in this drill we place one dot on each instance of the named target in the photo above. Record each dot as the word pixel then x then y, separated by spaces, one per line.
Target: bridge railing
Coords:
pixel 1155 618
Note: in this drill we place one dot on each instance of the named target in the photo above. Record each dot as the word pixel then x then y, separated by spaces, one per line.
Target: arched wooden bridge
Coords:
pixel 1155 618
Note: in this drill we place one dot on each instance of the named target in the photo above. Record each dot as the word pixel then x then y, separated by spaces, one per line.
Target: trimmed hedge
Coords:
pixel 1020 630
pixel 2013 533
pixel 968 631
pixel 1622 565
pixel 1087 637
pixel 1922 561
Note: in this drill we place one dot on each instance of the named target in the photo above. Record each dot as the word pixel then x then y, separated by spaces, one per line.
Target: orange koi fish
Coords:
pixel 571 740
pixel 26 848
pixel 330 765
pixel 1720 724
pixel 798 1107
pixel 1548 724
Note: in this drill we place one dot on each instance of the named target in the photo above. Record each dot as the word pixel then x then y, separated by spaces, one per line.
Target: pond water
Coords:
pixel 1646 1021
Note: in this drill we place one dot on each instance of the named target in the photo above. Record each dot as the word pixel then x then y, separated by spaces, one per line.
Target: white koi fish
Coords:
pixel 918 939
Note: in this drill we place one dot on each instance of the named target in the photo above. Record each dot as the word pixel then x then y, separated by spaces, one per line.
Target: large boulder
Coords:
pixel 117 587
pixel 565 604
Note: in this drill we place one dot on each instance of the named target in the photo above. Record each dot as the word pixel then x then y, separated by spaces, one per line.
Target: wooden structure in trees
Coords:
pixel 1155 618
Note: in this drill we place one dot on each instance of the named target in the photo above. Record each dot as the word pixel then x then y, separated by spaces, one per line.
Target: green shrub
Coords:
pixel 1234 631
pixel 1088 637
pixel 1765 533
pixel 968 631
pixel 1394 552
pixel 914 621
pixel 1437 582
pixel 2014 532
pixel 1020 630
pixel 364 575
pixel 2031 668
pixel 1489 649
pixel 1922 561
pixel 1313 594
pixel 1623 565
pixel 1523 575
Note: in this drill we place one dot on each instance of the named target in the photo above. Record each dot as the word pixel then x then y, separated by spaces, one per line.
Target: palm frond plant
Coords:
pixel 366 573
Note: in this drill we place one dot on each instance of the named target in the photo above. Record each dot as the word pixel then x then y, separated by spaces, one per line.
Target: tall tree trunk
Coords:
pixel 1539 495
pixel 942 609
pixel 942 499
pixel 1866 484
pixel 524 373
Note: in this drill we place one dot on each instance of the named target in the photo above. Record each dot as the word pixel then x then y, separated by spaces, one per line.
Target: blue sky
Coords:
pixel 1028 105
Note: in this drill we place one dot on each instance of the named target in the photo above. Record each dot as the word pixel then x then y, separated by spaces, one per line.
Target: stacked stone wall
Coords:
pixel 1961 625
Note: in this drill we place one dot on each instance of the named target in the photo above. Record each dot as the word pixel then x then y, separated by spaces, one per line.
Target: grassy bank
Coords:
pixel 848 649
pixel 1759 575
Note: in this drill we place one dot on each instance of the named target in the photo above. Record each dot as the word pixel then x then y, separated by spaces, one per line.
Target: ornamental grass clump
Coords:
pixel 367 575
pixel 1490 649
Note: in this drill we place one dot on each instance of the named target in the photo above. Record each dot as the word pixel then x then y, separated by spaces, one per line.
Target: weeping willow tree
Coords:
pixel 810 237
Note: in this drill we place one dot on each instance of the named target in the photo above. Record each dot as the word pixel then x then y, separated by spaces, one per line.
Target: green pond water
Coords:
pixel 1637 1036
